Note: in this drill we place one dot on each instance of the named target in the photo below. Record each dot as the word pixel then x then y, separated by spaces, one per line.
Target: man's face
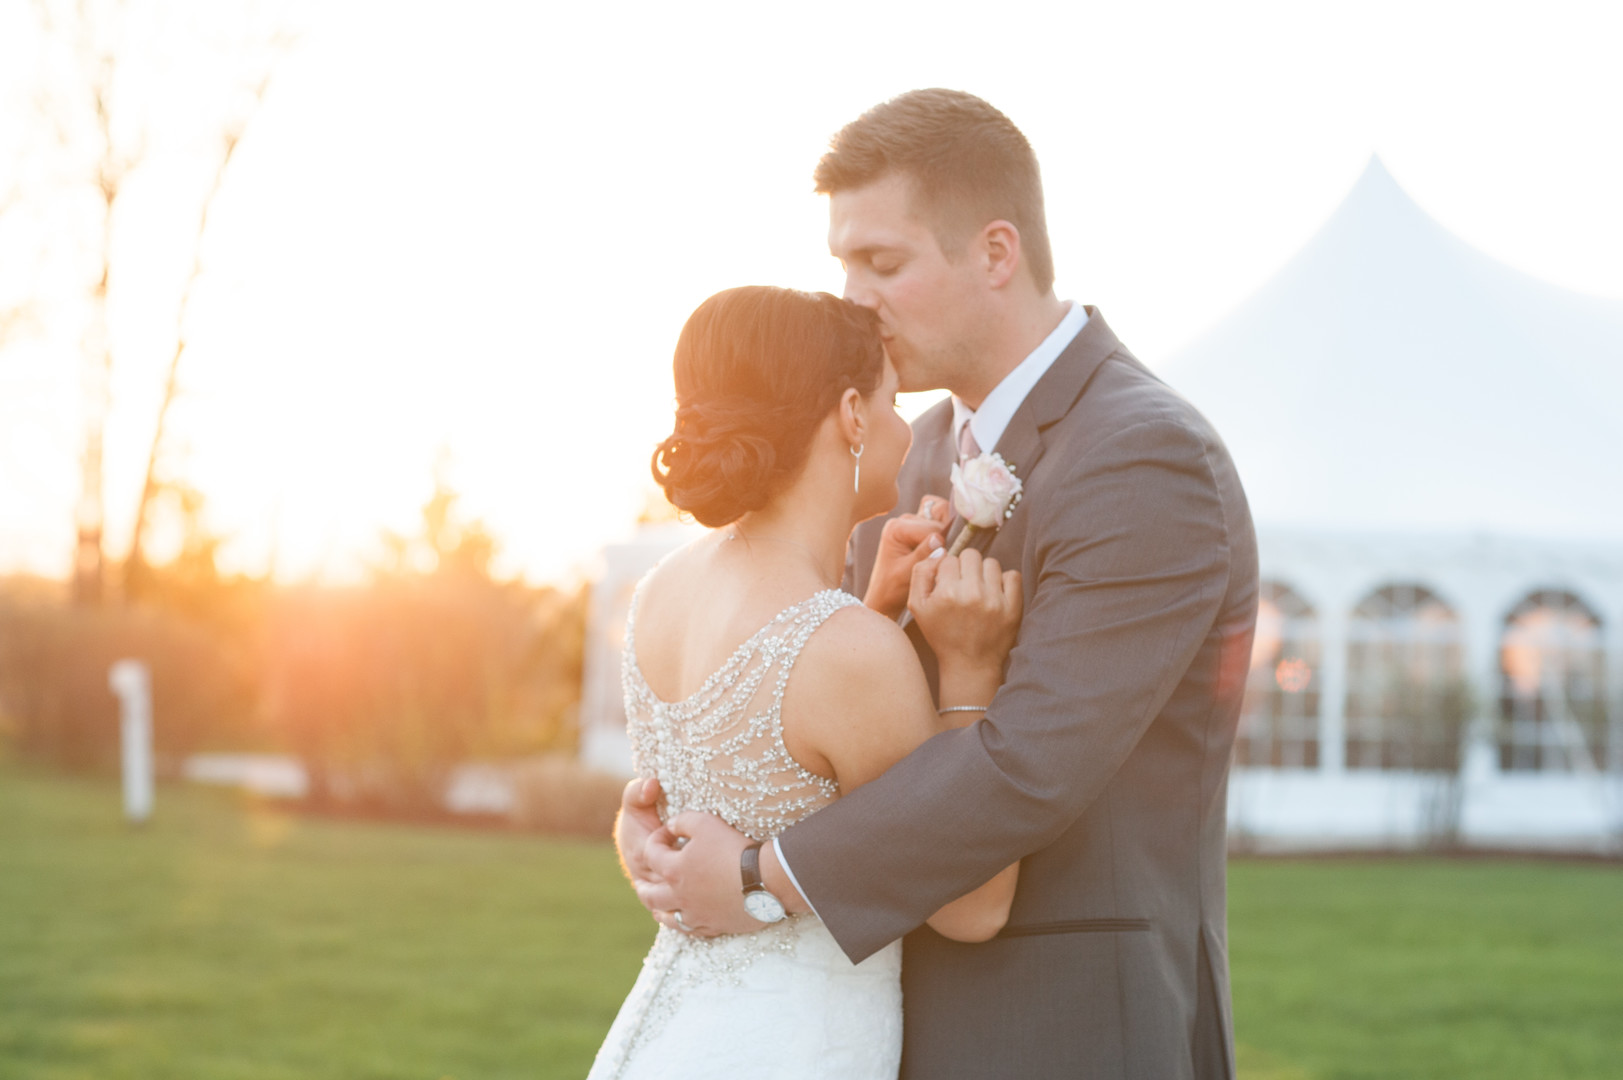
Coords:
pixel 928 304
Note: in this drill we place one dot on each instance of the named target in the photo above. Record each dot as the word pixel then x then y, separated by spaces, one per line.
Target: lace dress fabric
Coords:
pixel 784 1001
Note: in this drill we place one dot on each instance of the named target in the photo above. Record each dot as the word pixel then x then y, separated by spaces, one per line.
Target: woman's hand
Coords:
pixel 907 539
pixel 969 610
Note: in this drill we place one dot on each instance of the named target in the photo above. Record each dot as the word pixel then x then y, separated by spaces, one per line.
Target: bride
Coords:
pixel 786 437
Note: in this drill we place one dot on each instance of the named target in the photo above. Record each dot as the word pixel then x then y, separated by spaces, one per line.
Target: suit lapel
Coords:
pixel 1055 393
pixel 1022 444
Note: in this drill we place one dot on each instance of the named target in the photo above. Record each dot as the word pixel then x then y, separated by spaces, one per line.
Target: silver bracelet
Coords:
pixel 963 708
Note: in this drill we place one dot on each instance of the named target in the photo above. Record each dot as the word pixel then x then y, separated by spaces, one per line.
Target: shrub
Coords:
pixel 54 661
pixel 558 794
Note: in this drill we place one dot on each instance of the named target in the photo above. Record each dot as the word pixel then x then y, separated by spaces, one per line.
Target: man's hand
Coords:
pixel 906 540
pixel 695 859
pixel 637 821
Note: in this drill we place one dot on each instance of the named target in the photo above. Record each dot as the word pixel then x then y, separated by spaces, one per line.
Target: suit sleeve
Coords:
pixel 1131 560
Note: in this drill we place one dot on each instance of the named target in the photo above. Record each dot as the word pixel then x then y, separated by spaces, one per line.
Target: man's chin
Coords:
pixel 925 387
pixel 905 384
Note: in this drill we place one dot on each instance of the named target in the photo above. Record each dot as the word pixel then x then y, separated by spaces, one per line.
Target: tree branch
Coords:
pixel 135 560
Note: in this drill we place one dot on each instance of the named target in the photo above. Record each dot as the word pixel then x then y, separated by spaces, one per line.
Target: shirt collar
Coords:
pixel 990 420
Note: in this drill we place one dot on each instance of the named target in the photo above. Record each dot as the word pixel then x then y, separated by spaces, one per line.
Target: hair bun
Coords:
pixel 757 370
pixel 718 465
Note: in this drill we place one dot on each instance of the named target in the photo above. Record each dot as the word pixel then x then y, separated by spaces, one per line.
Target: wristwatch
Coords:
pixel 760 904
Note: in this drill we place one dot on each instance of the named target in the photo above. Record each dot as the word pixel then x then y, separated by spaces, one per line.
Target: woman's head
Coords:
pixel 758 371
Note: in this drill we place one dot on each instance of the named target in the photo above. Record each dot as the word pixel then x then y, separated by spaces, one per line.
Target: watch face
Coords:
pixel 763 906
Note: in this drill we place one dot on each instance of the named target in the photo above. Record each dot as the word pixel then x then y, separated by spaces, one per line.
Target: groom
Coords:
pixel 1102 763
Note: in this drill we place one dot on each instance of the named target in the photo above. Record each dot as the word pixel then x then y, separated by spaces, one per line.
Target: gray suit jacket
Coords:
pixel 1102 764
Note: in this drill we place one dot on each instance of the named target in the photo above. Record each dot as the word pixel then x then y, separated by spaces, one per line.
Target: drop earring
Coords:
pixel 856 481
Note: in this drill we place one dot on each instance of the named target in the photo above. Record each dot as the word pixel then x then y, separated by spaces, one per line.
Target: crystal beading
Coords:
pixel 721 750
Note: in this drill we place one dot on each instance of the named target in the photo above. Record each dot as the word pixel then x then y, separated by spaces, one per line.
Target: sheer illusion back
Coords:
pixel 721 748
pixel 783 1001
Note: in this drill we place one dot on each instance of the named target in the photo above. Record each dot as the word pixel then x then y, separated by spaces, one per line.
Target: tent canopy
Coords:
pixel 1391 377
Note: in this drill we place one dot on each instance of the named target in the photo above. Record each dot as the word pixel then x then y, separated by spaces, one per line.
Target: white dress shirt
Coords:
pixel 988 423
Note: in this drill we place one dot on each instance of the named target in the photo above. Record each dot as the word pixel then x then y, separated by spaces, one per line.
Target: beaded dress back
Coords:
pixel 721 749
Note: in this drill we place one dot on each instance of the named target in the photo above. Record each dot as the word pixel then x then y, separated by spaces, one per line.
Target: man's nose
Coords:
pixel 858 295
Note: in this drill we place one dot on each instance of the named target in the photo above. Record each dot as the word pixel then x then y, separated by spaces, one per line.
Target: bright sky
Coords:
pixel 477 229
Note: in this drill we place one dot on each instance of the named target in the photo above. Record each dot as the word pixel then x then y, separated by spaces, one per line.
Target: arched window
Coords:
pixel 1407 704
pixel 1279 723
pixel 1552 687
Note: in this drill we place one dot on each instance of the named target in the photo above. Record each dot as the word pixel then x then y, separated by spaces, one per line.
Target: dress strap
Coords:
pixel 805 618
pixel 812 613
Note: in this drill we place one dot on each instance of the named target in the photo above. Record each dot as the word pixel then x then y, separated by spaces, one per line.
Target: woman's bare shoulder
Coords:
pixel 854 651
pixel 672 572
pixel 858 634
pixel 858 698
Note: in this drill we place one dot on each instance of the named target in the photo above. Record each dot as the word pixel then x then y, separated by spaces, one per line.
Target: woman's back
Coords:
pixel 708 655
pixel 857 701
pixel 721 650
pixel 701 603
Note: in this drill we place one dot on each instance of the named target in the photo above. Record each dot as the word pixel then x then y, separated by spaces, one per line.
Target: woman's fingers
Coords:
pixel 969 578
pixel 968 581
pixel 1014 597
pixel 909 530
pixel 925 547
pixel 992 578
pixel 920 589
pixel 936 509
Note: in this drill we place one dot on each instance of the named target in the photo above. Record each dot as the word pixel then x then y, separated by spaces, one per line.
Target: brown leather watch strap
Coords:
pixel 749 865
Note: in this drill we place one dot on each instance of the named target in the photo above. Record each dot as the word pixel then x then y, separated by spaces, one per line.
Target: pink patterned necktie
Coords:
pixel 967 446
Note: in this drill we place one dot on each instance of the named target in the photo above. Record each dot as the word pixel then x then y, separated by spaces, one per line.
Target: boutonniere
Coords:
pixel 985 492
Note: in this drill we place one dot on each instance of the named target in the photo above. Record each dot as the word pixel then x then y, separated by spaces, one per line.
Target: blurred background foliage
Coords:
pixel 379 688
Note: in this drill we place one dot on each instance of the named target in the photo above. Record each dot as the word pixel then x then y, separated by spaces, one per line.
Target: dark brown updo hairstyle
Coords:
pixel 757 370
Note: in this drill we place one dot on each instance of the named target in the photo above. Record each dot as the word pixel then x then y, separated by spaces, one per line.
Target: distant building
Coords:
pixel 1432 444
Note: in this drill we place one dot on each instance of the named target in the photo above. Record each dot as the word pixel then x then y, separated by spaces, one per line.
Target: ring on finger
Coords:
pixel 680 923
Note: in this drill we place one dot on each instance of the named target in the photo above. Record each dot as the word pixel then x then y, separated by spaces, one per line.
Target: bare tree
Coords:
pixel 89 35
pixel 231 138
pixel 99 133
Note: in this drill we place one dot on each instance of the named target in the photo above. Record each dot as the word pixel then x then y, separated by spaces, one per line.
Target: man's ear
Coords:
pixel 1000 241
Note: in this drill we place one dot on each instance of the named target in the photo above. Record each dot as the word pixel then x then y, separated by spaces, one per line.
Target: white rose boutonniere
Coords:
pixel 985 491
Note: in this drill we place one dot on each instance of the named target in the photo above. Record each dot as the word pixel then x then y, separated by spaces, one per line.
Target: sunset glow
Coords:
pixel 467 239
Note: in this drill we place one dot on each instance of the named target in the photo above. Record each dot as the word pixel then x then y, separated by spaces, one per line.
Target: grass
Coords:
pixel 229 941
pixel 226 941
pixel 1356 970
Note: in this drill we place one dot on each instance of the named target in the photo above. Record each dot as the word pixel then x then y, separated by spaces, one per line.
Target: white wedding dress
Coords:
pixel 783 1002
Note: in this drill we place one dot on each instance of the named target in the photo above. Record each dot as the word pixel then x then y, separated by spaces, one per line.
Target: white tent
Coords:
pixel 1391 377
pixel 1413 419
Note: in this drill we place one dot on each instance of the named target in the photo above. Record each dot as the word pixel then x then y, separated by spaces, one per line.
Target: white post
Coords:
pixel 132 682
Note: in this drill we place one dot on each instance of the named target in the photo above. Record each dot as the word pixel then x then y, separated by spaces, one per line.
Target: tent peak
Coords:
pixel 1377 187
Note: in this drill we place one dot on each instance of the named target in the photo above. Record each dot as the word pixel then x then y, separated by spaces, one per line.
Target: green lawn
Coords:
pixel 1354 970
pixel 228 941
